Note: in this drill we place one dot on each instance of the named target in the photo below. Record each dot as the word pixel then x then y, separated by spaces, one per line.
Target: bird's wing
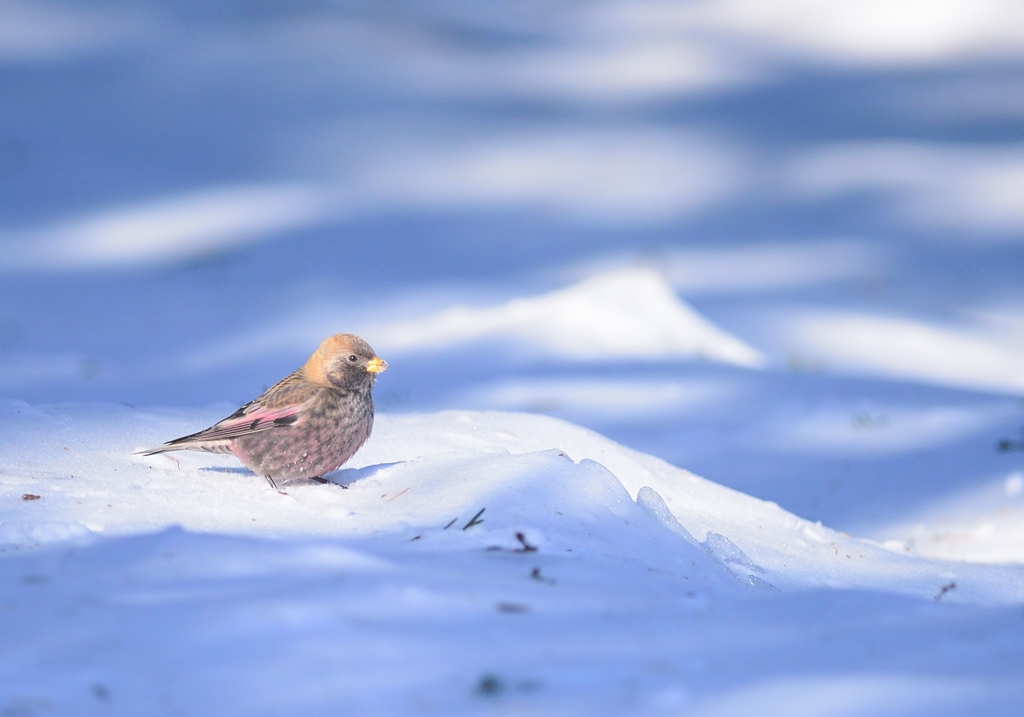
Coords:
pixel 280 406
pixel 256 419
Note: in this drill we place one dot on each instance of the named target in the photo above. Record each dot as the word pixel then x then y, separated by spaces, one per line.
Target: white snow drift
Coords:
pixel 415 475
pixel 629 313
pixel 463 562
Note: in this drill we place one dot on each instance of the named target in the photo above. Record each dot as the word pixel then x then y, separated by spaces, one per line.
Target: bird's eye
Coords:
pixel 353 358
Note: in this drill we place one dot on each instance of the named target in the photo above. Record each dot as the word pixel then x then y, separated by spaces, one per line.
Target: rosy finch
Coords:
pixel 307 424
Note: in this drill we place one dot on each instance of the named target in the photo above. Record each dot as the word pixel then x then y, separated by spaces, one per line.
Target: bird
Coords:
pixel 305 425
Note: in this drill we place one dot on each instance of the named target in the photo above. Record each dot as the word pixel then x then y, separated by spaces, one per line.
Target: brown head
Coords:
pixel 343 361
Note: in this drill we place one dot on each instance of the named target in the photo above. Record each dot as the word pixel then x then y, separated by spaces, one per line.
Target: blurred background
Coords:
pixel 777 242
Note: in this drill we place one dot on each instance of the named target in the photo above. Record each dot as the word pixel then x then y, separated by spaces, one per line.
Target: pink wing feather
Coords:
pixel 252 418
pixel 287 399
pixel 256 419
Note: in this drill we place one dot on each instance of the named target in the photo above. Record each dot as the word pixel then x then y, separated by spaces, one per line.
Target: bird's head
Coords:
pixel 343 361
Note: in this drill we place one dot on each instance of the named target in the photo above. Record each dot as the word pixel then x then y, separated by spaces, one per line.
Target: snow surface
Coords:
pixel 630 313
pixel 464 561
pixel 607 248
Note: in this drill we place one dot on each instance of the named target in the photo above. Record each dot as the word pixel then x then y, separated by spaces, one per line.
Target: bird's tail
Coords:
pixel 159 449
pixel 180 444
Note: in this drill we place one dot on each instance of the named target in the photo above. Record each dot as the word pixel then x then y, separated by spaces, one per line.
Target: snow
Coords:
pixel 391 571
pixel 705 330
pixel 458 559
pixel 630 313
pixel 902 348
pixel 171 229
pixel 931 183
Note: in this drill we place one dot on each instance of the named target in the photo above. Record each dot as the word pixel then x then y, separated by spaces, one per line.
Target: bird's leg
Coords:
pixel 318 479
pixel 270 480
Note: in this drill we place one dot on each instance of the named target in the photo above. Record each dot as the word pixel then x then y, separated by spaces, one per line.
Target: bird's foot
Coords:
pixel 323 481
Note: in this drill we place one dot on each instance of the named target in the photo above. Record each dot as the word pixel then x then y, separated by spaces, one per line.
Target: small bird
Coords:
pixel 304 426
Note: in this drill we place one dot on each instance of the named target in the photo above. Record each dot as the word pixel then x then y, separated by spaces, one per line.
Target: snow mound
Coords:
pixel 453 480
pixel 903 348
pixel 465 563
pixel 984 524
pixel 630 313
pixel 170 229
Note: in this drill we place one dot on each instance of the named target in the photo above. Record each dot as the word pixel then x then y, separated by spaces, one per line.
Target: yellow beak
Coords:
pixel 376 365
